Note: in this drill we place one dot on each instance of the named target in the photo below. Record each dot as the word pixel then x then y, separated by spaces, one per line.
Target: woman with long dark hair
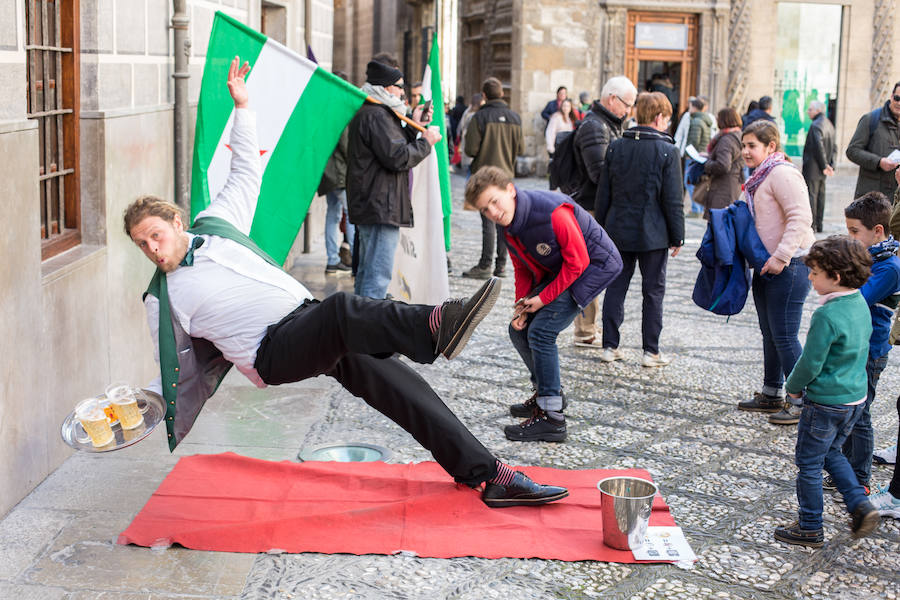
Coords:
pixel 561 120
pixel 777 196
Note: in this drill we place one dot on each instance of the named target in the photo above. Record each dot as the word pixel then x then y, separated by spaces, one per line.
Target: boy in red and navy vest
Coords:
pixel 562 260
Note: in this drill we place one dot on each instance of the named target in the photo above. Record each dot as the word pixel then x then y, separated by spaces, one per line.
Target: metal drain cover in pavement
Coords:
pixel 345 452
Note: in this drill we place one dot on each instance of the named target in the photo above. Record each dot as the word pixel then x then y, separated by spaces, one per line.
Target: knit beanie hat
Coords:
pixel 381 74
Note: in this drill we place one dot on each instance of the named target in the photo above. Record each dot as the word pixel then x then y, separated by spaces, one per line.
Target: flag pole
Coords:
pixel 404 118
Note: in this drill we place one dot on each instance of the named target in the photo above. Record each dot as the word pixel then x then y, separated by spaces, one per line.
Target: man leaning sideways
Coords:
pixel 218 300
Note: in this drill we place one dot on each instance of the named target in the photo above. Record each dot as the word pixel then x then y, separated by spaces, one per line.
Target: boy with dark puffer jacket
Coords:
pixel 562 259
pixel 868 220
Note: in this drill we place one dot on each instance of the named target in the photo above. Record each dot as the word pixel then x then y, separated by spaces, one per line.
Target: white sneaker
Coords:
pixel 888 456
pixel 591 342
pixel 885 503
pixel 612 354
pixel 654 360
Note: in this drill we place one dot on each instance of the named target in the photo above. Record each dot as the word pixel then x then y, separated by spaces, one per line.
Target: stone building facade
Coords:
pixel 731 51
pixel 71 282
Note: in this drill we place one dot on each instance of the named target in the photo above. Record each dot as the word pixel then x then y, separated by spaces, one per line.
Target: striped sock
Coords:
pixel 434 320
pixel 504 475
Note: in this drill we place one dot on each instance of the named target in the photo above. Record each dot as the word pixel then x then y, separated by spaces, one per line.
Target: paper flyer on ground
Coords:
pixel 667 543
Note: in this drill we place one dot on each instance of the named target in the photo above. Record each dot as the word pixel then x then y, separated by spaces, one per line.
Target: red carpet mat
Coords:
pixel 231 503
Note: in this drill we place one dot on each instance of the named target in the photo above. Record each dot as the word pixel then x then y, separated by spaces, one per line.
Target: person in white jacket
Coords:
pixel 561 120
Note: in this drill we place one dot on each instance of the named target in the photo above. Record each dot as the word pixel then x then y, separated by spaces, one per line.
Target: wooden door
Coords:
pixel 666 37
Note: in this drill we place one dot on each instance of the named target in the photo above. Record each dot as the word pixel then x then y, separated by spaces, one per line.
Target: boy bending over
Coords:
pixel 562 260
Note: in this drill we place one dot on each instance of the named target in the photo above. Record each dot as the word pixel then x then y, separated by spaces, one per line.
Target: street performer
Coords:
pixel 217 299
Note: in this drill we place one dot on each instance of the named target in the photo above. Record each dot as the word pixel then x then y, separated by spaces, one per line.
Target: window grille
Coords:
pixel 51 42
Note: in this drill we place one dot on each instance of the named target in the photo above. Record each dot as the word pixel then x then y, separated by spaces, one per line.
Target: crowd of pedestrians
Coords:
pixel 623 207
pixel 633 179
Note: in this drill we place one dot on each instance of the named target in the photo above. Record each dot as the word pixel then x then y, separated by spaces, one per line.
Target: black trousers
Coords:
pixel 491 232
pixel 353 339
pixel 816 189
pixel 653 287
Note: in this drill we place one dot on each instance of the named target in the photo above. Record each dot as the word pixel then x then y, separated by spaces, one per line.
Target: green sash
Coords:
pixel 205 365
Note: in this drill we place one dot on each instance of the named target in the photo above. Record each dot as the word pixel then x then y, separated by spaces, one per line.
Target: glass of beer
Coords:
pixel 93 420
pixel 124 404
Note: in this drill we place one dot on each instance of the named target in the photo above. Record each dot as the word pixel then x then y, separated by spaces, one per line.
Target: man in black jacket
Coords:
pixel 762 111
pixel 380 154
pixel 493 137
pixel 639 203
pixel 818 159
pixel 601 125
pixel 561 94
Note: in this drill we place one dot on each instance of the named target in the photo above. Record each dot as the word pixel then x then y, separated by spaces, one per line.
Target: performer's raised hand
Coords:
pixel 236 86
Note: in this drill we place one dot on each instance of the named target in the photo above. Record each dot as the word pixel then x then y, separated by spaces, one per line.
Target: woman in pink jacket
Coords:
pixel 777 196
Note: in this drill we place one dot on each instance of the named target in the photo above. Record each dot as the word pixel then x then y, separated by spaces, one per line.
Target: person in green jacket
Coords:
pixel 831 374
pixel 699 134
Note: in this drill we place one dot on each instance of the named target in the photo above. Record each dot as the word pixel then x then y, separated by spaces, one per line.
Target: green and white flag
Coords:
pixel 301 111
pixel 431 90
pixel 420 263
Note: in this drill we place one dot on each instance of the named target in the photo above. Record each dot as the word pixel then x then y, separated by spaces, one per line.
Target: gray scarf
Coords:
pixel 385 97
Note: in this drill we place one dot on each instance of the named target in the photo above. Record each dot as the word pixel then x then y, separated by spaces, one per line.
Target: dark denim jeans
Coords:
pixel 377 244
pixel 779 306
pixel 536 344
pixel 820 433
pixel 860 443
pixel 337 203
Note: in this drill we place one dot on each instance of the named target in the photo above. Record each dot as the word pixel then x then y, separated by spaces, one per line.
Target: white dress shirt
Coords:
pixel 230 295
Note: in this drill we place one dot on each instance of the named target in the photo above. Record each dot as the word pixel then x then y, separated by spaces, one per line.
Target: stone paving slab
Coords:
pixel 727 475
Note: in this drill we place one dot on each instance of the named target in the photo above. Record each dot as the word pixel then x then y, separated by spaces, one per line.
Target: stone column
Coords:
pixel 882 51
pixel 614 23
pixel 739 49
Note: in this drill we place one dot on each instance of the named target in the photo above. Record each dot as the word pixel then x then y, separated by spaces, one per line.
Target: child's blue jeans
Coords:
pixel 860 443
pixel 536 344
pixel 820 434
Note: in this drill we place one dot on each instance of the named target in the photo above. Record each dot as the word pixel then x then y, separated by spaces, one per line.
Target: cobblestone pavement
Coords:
pixel 727 475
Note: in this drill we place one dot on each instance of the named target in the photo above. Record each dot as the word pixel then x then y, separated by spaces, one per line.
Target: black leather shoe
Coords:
pixel 521 491
pixel 792 534
pixel 762 403
pixel 539 428
pixel 865 519
pixel 526 409
pixel 460 317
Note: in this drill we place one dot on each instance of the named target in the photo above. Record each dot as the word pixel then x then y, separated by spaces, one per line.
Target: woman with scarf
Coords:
pixel 725 164
pixel 777 196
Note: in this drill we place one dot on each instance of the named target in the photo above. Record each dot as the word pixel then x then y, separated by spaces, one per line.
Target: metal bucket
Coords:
pixel 625 504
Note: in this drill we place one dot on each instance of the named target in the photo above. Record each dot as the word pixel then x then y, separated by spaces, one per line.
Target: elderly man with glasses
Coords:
pixel 877 137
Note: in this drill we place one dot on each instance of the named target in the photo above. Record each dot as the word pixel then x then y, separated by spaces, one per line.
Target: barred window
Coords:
pixel 53 101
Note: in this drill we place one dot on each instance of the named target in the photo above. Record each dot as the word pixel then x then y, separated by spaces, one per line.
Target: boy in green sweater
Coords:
pixel 832 371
